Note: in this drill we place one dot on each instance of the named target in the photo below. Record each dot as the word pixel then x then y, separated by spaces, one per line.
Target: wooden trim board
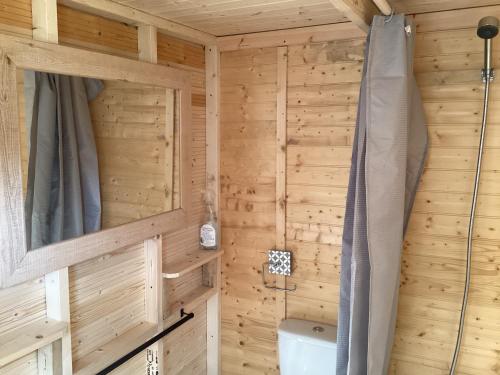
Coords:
pixel 53 358
pixel 33 336
pixel 126 14
pixel 281 146
pixel 301 35
pixel 454 19
pixel 212 152
pixel 192 261
pixel 154 359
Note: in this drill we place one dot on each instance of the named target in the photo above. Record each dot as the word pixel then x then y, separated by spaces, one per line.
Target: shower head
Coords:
pixel 487 27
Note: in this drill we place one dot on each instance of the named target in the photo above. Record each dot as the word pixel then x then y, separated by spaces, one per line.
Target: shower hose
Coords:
pixel 470 232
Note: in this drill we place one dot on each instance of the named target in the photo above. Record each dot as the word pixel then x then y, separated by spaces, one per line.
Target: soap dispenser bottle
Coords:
pixel 208 231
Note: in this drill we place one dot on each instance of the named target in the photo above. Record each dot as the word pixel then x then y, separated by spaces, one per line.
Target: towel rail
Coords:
pixel 184 318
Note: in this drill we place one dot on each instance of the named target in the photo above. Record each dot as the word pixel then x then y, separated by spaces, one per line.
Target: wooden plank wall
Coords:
pixel 323 85
pixel 447 64
pixel 247 205
pixel 107 293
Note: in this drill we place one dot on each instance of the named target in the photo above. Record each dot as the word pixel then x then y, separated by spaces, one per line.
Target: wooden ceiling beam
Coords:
pixel 287 37
pixel 131 16
pixel 359 12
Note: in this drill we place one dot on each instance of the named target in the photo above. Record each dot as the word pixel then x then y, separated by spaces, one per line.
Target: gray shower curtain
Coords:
pixel 387 160
pixel 63 195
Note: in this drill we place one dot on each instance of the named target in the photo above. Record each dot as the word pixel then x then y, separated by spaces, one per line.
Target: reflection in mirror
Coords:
pixel 95 154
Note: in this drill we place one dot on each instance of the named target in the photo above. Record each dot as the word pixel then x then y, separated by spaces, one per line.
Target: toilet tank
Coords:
pixel 307 348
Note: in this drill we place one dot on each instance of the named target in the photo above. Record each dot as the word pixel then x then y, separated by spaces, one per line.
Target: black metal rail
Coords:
pixel 151 341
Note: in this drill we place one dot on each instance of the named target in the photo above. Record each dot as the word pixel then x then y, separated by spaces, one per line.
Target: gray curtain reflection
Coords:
pixel 63 194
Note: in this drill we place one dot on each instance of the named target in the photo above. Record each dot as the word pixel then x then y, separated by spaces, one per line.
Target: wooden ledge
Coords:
pixel 192 260
pixel 31 337
pixel 190 301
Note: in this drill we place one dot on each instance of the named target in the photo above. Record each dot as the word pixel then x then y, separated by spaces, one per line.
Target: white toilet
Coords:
pixel 307 348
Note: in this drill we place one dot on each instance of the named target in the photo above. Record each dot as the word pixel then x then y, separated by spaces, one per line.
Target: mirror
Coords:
pixel 119 144
pixel 95 154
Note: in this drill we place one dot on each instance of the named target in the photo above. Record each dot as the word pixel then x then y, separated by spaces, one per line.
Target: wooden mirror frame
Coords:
pixel 17 264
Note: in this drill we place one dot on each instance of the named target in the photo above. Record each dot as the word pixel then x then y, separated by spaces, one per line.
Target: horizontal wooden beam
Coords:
pixel 123 13
pixel 301 35
pixel 454 19
pixel 35 335
pixel 359 12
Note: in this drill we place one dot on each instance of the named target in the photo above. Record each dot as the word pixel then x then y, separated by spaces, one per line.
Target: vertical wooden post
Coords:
pixel 44 18
pixel 153 301
pixel 58 308
pixel 281 108
pixel 45 361
pixel 148 51
pixel 147 43
pixel 170 151
pixel 147 40
pixel 212 77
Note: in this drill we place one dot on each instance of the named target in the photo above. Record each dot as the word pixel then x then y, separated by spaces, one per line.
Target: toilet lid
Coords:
pixel 308 331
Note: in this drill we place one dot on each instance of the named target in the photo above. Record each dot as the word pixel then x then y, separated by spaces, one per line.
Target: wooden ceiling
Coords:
pixel 229 17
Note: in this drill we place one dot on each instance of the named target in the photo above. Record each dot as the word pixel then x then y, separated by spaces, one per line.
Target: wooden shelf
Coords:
pixel 191 300
pixel 106 354
pixel 190 262
pixel 31 337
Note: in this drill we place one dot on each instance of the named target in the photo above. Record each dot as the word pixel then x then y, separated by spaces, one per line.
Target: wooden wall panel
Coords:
pixel 323 85
pixel 185 350
pixel 96 33
pixel 21 304
pixel 323 89
pixel 447 65
pixel 15 17
pixel 26 365
pixel 107 293
pixel 107 298
pixel 247 204
pixel 173 50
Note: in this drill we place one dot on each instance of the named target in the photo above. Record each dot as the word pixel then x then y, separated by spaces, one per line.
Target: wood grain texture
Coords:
pixel 11 195
pixel 323 84
pixel 133 16
pixel 359 12
pixel 433 265
pixel 48 57
pixel 24 303
pixel 220 17
pixel 96 33
pixel 248 209
pixel 27 365
pixel 296 36
pixel 35 335
pixel 135 154
pixel 16 18
pixel 428 6
pixel 281 155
